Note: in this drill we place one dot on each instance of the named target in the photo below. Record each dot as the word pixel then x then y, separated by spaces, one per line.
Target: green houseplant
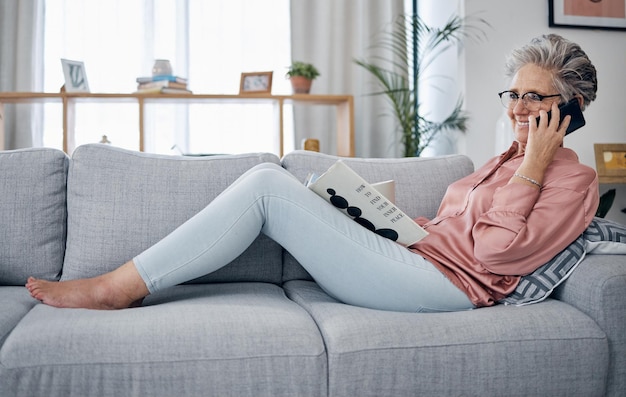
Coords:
pixel 414 46
pixel 302 75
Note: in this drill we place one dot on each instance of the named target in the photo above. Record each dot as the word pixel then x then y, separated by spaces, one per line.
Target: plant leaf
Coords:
pixel 394 71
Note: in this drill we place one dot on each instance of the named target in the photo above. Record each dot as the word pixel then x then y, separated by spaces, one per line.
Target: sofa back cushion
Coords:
pixel 420 182
pixel 121 202
pixel 32 214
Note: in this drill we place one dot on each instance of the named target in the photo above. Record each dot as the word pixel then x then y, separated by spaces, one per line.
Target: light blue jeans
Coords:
pixel 349 262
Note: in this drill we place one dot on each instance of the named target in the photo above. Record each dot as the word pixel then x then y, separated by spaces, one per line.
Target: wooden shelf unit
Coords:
pixel 344 105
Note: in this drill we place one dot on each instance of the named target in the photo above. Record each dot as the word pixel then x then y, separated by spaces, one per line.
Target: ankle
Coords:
pixel 120 289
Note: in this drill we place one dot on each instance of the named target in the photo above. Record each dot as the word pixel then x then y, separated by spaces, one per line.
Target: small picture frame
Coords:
pixel 256 83
pixel 75 76
pixel 592 14
pixel 610 161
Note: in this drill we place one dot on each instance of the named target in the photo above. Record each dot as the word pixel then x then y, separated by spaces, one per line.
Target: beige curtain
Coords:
pixel 331 34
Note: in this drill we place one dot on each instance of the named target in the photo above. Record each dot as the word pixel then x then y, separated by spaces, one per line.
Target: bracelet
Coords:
pixel 524 177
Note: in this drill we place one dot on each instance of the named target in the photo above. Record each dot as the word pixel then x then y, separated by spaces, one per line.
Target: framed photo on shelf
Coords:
pixel 75 76
pixel 610 160
pixel 592 14
pixel 256 83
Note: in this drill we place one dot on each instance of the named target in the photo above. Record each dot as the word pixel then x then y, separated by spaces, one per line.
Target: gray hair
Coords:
pixel 572 71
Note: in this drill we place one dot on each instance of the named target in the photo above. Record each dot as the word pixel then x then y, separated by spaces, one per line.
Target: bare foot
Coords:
pixel 119 289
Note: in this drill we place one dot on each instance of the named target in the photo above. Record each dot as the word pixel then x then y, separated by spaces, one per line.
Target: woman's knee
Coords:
pixel 267 166
pixel 269 173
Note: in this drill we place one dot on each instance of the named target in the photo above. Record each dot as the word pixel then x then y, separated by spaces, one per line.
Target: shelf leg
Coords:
pixel 345 128
pixel 142 116
pixel 281 127
pixel 69 126
pixel 2 126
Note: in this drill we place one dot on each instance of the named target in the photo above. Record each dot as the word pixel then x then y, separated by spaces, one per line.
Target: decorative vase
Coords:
pixel 300 85
pixel 162 67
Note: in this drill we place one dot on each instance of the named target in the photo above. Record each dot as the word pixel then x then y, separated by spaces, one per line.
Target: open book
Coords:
pixel 363 202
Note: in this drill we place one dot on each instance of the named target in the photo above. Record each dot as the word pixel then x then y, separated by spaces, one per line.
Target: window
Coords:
pixel 210 42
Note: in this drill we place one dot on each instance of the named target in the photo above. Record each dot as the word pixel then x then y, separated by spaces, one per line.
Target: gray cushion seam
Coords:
pixel 495 343
pixel 322 354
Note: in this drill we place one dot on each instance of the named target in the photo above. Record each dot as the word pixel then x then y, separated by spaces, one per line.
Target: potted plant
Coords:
pixel 302 75
pixel 415 45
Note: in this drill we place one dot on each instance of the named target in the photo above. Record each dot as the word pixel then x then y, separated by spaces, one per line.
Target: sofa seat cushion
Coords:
pixel 32 213
pixel 548 349
pixel 121 202
pixel 16 302
pixel 239 339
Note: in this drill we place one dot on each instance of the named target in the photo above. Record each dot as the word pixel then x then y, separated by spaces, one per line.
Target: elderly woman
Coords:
pixel 493 226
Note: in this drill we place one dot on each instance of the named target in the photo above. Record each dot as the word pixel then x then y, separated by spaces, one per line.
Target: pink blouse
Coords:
pixel 489 232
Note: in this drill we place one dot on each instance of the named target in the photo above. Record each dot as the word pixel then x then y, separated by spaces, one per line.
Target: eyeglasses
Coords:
pixel 531 100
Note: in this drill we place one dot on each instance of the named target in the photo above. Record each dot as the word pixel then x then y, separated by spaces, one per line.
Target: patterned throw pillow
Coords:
pixel 601 237
pixel 605 237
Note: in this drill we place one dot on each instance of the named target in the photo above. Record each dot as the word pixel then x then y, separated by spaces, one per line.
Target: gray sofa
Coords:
pixel 261 326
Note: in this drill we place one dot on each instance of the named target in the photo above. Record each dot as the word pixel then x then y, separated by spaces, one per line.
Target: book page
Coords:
pixel 358 199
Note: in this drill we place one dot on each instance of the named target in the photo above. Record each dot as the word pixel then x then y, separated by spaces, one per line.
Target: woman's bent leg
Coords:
pixel 351 263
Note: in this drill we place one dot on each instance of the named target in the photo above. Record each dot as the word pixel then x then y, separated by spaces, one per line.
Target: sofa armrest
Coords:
pixel 598 288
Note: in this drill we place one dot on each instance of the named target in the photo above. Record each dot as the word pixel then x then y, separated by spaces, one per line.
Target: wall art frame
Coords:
pixel 588 14
pixel 256 83
pixel 75 76
pixel 610 161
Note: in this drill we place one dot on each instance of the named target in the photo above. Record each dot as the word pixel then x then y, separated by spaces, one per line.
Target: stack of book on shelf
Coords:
pixel 164 84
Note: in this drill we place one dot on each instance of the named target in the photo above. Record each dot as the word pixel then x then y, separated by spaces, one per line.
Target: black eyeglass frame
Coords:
pixel 541 97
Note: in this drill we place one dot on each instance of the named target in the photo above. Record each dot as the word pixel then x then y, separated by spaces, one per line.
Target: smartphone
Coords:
pixel 573 109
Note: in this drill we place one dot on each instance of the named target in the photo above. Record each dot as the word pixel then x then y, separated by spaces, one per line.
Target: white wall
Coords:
pixel 514 23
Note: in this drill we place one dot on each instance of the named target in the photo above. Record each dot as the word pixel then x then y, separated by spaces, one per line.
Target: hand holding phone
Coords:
pixel 571 108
